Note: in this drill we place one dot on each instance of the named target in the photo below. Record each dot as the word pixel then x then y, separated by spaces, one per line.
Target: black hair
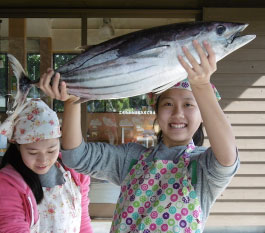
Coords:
pixel 13 157
pixel 198 137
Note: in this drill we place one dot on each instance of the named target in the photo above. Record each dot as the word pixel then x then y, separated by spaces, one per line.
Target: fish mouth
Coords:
pixel 238 39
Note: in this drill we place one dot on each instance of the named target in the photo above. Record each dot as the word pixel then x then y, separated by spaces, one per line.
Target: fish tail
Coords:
pixel 24 84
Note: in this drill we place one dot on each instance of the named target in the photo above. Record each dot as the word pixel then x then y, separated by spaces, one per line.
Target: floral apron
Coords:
pixel 158 197
pixel 60 209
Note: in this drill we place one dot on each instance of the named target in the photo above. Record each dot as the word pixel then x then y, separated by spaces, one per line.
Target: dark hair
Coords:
pixel 198 137
pixel 13 157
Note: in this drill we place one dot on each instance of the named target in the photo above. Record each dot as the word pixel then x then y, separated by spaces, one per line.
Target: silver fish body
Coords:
pixel 144 61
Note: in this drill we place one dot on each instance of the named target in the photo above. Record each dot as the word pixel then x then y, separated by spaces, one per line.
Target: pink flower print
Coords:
pixel 177 217
pixel 30 116
pixel 174 170
pixel 51 211
pixel 184 211
pixel 152 227
pixel 177 84
pixel 48 189
pixel 164 186
pixel 130 192
pixel 151 182
pixel 132 171
pixel 134 181
pixel 181 180
pixel 174 197
pixel 35 111
pixel 154 215
pixel 133 227
pixel 195 213
pixel 164 227
pixel 3 132
pixel 141 210
pixel 51 122
pixel 180 192
pixel 147 204
pixel 188 230
pixel 130 209
pixel 123 189
pixel 22 131
pixel 124 215
pixel 164 161
pixel 163 171
pixel 144 187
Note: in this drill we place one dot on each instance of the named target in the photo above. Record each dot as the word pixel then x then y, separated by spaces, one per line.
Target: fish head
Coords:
pixel 224 37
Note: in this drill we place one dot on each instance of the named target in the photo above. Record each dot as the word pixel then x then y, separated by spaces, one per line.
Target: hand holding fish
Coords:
pixel 199 74
pixel 58 89
pixel 219 131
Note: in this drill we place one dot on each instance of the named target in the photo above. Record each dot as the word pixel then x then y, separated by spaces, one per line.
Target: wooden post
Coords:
pixel 17 47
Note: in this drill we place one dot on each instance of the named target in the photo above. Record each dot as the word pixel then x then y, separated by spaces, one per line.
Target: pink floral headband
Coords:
pixel 31 122
pixel 184 84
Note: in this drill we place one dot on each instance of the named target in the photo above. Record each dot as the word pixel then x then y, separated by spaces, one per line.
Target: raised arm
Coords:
pixel 71 126
pixel 218 128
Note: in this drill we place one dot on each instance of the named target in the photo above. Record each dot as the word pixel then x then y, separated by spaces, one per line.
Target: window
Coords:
pixel 33 64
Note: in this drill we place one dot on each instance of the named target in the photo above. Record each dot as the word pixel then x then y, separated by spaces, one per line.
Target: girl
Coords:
pixel 171 187
pixel 37 193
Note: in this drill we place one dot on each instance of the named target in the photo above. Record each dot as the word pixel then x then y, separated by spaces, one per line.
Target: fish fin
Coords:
pixel 163 88
pixel 23 82
pixel 81 100
pixel 141 46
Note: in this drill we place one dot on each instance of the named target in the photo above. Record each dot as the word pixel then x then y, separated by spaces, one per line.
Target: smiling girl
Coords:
pixel 171 187
pixel 37 192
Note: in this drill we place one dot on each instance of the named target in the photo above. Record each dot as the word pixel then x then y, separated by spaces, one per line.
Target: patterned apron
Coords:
pixel 158 197
pixel 60 209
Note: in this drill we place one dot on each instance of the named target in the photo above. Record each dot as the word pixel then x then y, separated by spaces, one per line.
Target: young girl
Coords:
pixel 171 187
pixel 37 193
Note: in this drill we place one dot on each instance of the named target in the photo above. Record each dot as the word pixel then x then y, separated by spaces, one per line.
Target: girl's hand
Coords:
pixel 199 74
pixel 58 89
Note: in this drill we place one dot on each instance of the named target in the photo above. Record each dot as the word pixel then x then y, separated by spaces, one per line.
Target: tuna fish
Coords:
pixel 139 62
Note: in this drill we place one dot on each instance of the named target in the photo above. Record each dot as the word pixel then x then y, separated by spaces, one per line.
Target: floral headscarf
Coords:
pixel 31 122
pixel 184 84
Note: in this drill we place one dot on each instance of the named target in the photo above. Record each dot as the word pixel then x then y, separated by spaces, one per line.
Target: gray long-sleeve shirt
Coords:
pixel 112 163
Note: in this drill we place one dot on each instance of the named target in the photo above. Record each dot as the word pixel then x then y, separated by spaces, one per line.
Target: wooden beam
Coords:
pixel 94 13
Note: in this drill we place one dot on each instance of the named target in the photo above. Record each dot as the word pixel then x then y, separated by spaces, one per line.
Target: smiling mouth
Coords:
pixel 178 126
pixel 41 167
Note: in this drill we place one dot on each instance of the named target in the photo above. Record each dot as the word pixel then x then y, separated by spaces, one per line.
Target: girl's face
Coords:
pixel 178 116
pixel 40 156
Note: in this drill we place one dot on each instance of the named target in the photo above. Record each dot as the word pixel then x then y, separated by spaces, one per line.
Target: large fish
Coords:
pixel 139 62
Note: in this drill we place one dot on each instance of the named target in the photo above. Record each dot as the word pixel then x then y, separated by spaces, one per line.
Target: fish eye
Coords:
pixel 220 29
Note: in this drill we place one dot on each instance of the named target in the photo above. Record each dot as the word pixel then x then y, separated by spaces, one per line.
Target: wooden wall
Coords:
pixel 240 79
